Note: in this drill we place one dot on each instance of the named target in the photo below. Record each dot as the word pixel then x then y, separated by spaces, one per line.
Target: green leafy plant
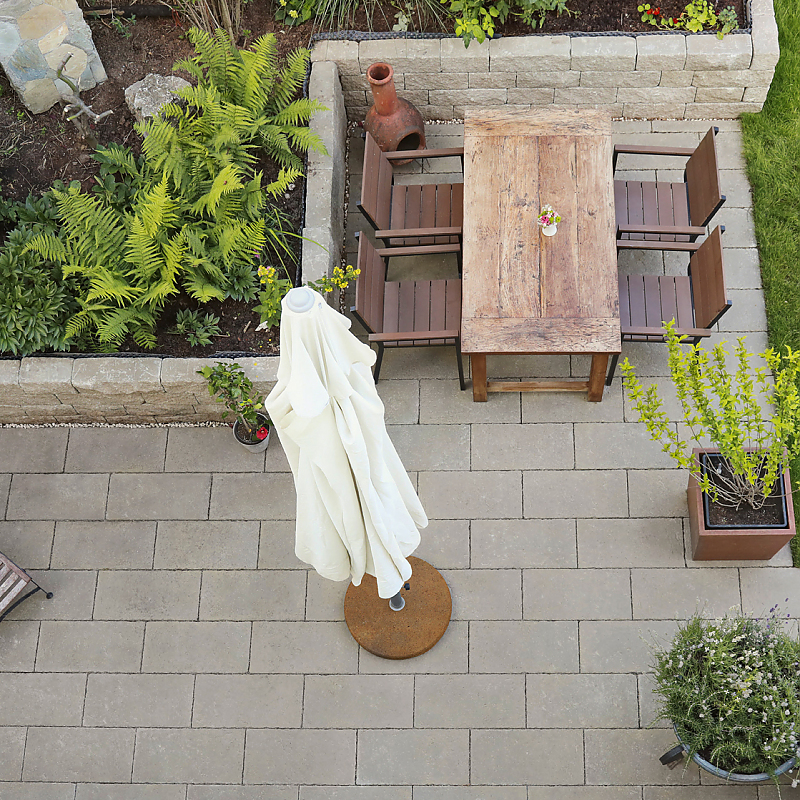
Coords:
pixel 34 300
pixel 533 12
pixel 697 16
pixel 198 330
pixel 251 84
pixel 476 19
pixel 724 407
pixel 212 15
pixel 731 687
pixel 228 384
pixel 275 288
pixel 123 27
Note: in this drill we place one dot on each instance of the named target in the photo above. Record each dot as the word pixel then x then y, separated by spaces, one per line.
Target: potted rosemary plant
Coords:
pixel 740 493
pixel 229 385
pixel 731 689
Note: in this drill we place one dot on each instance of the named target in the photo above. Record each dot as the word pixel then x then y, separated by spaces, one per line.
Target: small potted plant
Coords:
pixel 548 220
pixel 731 689
pixel 740 492
pixel 229 385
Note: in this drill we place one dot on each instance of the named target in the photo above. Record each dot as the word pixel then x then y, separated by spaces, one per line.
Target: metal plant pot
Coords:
pixel 252 447
pixel 674 756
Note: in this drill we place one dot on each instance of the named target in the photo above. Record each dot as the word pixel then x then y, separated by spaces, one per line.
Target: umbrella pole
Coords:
pixel 397 603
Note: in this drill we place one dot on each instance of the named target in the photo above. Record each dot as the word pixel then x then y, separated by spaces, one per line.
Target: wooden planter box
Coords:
pixel 735 544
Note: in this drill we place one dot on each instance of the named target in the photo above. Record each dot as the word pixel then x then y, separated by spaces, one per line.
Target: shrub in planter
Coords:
pixel 744 475
pixel 228 384
pixel 731 688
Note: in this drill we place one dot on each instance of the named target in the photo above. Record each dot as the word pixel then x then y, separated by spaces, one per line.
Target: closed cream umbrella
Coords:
pixel 357 511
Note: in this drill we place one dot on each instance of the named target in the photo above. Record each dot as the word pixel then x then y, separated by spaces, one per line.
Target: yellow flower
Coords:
pixel 293 14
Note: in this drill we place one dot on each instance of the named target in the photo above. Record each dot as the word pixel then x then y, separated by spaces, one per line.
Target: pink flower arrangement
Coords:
pixel 548 216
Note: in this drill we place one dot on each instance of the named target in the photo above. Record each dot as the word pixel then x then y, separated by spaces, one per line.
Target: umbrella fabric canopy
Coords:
pixel 357 511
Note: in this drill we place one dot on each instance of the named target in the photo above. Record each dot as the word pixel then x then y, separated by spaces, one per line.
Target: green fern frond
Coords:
pixel 290 79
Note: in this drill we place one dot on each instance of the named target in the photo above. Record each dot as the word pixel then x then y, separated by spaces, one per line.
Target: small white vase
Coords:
pixel 549 230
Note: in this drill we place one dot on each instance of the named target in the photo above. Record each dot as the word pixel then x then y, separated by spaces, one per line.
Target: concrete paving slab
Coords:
pixel 522 446
pixel 147 595
pixel 442 402
pixel 630 543
pixel 358 701
pixel 75 590
pixel 523 647
pixel 28 544
pixel 471 495
pixel 135 791
pixel 572 407
pixel 485 593
pixel 139 701
pixel 165 496
pixel 188 755
pixel 539 543
pixel 764 588
pixel 324 599
pixel 432 447
pixel 196 792
pixel 33 449
pixel 207 545
pixel 321 647
pixel 446 544
pixel 576 594
pixel 79 754
pixel 252 594
pixel 400 400
pixel 276 546
pixel 18 653
pixel 104 545
pixel 398 757
pixel 679 594
pixel 196 647
pixel 209 450
pixel 43 699
pixel 622 646
pixel 247 701
pixel 116 450
pixel 310 756
pixel 38 791
pixel 57 497
pixel 470 792
pixel 242 496
pixel 567 494
pixel 90 647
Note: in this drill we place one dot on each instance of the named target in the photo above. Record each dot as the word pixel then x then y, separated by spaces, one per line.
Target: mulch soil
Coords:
pixel 36 150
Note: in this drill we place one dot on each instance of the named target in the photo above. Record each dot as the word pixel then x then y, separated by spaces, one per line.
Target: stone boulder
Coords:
pixel 36 36
pixel 146 97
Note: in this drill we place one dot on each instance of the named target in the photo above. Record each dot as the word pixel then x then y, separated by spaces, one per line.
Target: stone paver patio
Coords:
pixel 188 655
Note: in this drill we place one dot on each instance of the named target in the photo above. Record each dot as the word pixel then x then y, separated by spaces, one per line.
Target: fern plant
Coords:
pixel 253 82
pixel 198 330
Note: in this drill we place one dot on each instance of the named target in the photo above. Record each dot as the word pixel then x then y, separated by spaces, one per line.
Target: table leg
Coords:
pixel 478 363
pixel 597 377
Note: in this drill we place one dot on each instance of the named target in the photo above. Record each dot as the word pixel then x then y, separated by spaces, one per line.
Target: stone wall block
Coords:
pixel 357 113
pixel 470 97
pixel 437 112
pixel 357 98
pixel 10 390
pixel 492 80
pixel 426 81
pixel 548 80
pixel 585 97
pixel 404 55
pixel 351 83
pixel 737 77
pixel 637 79
pixel 764 32
pixel 755 94
pixel 719 94
pixel 735 51
pixel 720 110
pixel 651 111
pixel 536 97
pixel 658 95
pixel 676 78
pixel 43 375
pixel 343 53
pixel 667 52
pixel 603 53
pixel 116 376
pixel 520 54
pixel 457 58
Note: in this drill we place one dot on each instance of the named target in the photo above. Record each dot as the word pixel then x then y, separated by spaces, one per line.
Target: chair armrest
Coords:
pixel 681 230
pixel 641 244
pixel 419 250
pixel 690 332
pixel 410 337
pixel 397 155
pixel 652 150
pixel 417 233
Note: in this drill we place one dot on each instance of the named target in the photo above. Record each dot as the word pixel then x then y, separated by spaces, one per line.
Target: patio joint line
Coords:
pixel 24 753
pixel 83 706
pixel 52 547
pixel 194 697
pixel 66 451
pixel 94 594
pixel 133 754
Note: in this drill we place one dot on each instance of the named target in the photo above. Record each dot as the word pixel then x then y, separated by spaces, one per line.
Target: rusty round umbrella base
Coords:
pixel 400 634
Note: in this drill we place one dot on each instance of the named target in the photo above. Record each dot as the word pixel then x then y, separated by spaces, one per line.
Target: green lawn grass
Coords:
pixel 772 151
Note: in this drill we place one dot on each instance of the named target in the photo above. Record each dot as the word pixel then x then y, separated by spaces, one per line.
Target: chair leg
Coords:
pixel 377 368
pixel 460 365
pixel 612 369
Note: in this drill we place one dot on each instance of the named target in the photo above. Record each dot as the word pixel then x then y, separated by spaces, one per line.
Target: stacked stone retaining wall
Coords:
pixel 660 75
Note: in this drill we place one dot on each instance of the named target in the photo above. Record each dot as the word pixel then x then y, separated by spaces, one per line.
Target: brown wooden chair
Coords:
pixel 422 215
pixel 661 211
pixel 695 301
pixel 405 313
pixel 13 582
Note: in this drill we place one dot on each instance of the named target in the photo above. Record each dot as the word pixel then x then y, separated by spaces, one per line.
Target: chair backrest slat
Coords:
pixel 9 597
pixel 702 181
pixel 376 185
pixel 708 281
pixel 369 286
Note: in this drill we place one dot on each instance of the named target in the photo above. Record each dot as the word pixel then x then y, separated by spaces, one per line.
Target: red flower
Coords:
pixel 262 433
pixel 656 11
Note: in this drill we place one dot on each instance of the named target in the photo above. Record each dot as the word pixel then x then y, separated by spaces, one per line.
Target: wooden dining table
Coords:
pixel 523 292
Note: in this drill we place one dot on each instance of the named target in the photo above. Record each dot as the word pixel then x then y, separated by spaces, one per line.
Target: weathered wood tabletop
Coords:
pixel 524 292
